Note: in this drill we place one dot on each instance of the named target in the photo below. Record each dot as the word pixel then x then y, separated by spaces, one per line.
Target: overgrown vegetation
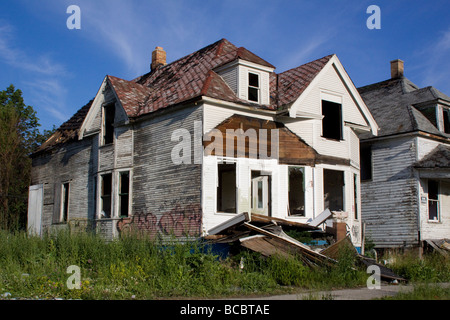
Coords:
pixel 137 268
pixel 433 267
pixel 133 268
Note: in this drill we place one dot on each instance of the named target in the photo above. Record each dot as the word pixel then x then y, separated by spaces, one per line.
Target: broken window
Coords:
pixel 332 120
pixel 124 193
pixel 253 87
pixel 261 186
pixel 65 202
pixel 226 189
pixel 433 200
pixel 106 191
pixel 333 190
pixel 108 123
pixel 296 191
pixel 366 162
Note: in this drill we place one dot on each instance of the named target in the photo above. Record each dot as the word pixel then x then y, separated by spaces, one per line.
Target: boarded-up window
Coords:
pixel 226 189
pixel 366 162
pixel 433 200
pixel 124 193
pixel 108 123
pixel 65 202
pixel 333 189
pixel 332 120
pixel 296 191
pixel 106 189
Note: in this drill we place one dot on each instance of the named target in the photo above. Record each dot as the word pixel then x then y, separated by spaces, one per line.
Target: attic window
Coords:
pixel 253 87
pixel 446 113
pixel 332 120
pixel 109 112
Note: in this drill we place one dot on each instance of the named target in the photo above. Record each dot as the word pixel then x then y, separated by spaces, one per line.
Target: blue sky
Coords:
pixel 59 70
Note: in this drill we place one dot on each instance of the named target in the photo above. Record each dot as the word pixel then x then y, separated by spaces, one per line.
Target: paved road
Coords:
pixel 346 294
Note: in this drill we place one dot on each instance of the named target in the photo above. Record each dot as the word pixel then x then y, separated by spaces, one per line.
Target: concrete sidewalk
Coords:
pixel 364 293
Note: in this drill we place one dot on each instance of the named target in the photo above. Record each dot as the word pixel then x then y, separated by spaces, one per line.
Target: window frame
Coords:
pixel 121 194
pixel 218 187
pixel 328 117
pixel 102 196
pixel 302 169
pixel 65 202
pixel 257 88
pixel 108 130
pixel 436 201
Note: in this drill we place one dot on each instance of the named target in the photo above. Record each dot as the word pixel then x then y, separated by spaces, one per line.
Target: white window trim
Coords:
pixel 249 86
pixel 226 160
pixel 438 220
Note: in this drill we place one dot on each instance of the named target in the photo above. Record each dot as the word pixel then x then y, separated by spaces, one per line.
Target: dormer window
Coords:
pixel 253 87
pixel 446 114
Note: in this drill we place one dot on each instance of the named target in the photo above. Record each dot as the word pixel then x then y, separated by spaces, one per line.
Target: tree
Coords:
pixel 19 136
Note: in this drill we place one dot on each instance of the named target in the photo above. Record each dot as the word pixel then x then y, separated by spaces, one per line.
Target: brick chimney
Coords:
pixel 158 58
pixel 397 68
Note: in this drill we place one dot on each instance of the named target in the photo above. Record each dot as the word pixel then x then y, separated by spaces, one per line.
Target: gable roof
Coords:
pixel 394 104
pixel 293 82
pixel 67 132
pixel 192 77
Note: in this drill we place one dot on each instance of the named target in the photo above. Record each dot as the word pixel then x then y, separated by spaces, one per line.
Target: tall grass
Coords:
pixel 139 268
pixel 432 267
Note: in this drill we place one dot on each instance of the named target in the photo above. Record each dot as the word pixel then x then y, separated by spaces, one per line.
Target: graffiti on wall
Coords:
pixel 178 222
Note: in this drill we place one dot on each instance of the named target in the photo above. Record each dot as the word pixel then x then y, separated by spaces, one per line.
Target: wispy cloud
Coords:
pixel 436 65
pixel 46 91
pixel 18 58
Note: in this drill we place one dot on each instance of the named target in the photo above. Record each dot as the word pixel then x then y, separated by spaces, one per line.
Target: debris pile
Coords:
pixel 269 236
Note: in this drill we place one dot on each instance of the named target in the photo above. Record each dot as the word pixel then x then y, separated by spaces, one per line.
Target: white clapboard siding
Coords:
pixel 389 200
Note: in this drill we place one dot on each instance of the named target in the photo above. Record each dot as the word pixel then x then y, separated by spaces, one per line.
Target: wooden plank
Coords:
pixel 283 222
pixel 287 245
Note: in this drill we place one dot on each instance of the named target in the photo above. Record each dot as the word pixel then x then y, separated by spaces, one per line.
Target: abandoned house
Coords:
pixel 162 153
pixel 405 170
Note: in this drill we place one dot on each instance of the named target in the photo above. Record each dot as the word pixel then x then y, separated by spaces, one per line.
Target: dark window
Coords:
pixel 124 196
pixel 333 189
pixel 296 191
pixel 108 127
pixel 332 120
pixel 106 195
pixel 355 195
pixel 433 200
pixel 226 189
pixel 253 87
pixel 446 113
pixel 366 162
pixel 65 202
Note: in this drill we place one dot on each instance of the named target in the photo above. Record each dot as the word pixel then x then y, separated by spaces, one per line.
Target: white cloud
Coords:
pixel 18 58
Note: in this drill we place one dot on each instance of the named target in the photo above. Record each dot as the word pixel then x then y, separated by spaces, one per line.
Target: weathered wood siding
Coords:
pixel 74 163
pixel 167 194
pixel 389 200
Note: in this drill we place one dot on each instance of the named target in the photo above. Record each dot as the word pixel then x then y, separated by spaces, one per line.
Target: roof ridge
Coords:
pixel 329 56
